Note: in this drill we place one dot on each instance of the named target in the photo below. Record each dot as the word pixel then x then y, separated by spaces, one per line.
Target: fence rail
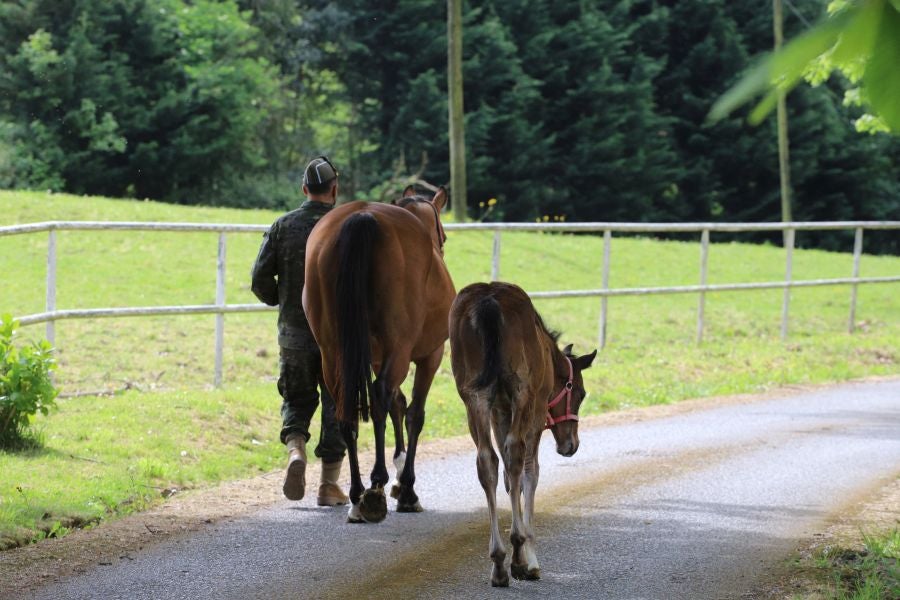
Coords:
pixel 221 308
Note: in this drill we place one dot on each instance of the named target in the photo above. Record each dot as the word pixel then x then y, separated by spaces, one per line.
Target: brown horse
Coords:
pixel 377 295
pixel 514 380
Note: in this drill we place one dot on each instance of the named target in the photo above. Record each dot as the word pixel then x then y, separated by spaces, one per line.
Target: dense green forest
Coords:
pixel 575 110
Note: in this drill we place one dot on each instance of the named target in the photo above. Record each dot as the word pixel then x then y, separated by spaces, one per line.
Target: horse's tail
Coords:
pixel 355 244
pixel 488 322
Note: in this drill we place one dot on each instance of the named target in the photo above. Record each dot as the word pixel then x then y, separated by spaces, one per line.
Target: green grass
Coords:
pixel 869 573
pixel 651 357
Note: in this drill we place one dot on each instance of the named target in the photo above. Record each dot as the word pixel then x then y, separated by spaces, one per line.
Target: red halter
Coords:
pixel 567 392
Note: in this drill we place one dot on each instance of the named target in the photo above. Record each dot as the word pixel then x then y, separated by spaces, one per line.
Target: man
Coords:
pixel 277 278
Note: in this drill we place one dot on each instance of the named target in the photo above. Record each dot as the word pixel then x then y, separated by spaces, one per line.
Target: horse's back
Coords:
pixel 410 294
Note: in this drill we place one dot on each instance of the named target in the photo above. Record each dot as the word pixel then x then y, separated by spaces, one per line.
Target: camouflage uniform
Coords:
pixel 277 278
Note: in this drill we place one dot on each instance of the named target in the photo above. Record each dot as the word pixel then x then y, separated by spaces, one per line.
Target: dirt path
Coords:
pixel 25 569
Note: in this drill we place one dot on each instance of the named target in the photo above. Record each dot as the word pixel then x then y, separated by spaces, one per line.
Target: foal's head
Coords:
pixel 564 409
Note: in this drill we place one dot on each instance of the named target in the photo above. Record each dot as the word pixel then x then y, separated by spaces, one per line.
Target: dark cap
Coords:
pixel 319 171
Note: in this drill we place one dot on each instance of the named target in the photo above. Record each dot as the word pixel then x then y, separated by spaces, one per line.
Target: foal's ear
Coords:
pixel 409 191
pixel 583 362
pixel 440 198
pixel 568 350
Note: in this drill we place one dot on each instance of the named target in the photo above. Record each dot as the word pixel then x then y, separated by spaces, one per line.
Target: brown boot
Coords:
pixel 330 492
pixel 295 477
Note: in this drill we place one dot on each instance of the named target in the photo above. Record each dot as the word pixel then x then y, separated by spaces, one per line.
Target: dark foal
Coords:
pixel 516 382
pixel 377 295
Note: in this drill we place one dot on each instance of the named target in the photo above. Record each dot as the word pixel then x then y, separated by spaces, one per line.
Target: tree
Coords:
pixel 132 98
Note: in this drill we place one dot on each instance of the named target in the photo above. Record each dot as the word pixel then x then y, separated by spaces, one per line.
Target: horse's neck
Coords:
pixel 557 359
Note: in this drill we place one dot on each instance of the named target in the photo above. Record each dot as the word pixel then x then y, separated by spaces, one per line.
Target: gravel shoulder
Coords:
pixel 111 542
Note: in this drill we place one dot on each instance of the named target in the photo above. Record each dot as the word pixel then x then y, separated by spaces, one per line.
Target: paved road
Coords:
pixel 700 505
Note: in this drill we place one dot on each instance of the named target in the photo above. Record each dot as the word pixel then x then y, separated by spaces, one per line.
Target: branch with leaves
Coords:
pixel 860 39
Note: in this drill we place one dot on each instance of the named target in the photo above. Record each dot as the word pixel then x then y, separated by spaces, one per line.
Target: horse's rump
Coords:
pixel 369 275
pixel 498 340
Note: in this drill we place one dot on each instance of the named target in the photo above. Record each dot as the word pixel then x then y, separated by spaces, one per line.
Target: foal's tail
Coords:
pixel 355 244
pixel 487 321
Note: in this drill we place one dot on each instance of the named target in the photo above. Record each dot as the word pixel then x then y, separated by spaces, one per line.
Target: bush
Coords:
pixel 25 384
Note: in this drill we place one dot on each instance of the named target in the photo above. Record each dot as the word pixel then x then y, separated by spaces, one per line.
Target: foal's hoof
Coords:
pixel 395 491
pixel 523 572
pixel 499 577
pixel 373 505
pixel 409 508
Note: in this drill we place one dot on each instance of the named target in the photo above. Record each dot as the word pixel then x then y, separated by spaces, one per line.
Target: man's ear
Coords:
pixel 440 198
pixel 409 191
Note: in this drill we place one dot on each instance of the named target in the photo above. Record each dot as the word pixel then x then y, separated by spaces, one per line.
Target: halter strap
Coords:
pixel 566 393
pixel 439 228
pixel 442 237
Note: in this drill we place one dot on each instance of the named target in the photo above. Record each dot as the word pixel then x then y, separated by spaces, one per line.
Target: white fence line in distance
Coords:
pixel 221 308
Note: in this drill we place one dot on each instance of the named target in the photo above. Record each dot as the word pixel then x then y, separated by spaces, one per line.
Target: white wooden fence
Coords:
pixel 220 308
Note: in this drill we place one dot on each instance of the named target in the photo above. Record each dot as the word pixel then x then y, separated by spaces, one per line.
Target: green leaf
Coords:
pixel 783 69
pixel 882 77
pixel 857 38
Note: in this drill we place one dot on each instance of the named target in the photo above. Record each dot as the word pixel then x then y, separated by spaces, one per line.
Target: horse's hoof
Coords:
pixel 354 515
pixel 395 491
pixel 409 508
pixel 373 505
pixel 407 500
pixel 523 572
pixel 500 579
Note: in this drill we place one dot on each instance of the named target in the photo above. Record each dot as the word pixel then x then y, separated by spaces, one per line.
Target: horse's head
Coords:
pixel 562 412
pixel 427 211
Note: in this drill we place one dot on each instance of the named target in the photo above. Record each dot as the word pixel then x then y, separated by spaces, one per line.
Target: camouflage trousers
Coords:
pixel 299 382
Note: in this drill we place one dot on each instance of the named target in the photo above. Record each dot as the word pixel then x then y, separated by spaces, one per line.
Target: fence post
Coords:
pixel 607 239
pixel 704 256
pixel 220 317
pixel 495 259
pixel 857 254
pixel 51 285
pixel 788 275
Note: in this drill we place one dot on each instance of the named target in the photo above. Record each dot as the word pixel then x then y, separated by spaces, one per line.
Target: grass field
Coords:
pixel 105 455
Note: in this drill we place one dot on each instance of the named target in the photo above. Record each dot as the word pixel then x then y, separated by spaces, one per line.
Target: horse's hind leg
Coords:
pixel 514 456
pixel 487 463
pixel 407 500
pixel 398 414
pixel 530 474
pixel 374 504
pixel 349 433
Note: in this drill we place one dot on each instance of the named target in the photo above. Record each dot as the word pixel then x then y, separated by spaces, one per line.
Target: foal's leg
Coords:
pixel 487 463
pixel 407 500
pixel 398 414
pixel 529 485
pixel 349 433
pixel 514 450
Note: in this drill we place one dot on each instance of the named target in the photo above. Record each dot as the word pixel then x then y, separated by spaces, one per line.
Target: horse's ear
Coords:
pixel 568 350
pixel 440 198
pixel 584 362
pixel 394 202
pixel 409 191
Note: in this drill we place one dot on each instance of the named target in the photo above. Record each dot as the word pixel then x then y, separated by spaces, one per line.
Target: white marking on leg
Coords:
pixel 354 515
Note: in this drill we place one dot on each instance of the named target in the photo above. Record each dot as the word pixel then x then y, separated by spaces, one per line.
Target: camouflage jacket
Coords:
pixel 278 273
